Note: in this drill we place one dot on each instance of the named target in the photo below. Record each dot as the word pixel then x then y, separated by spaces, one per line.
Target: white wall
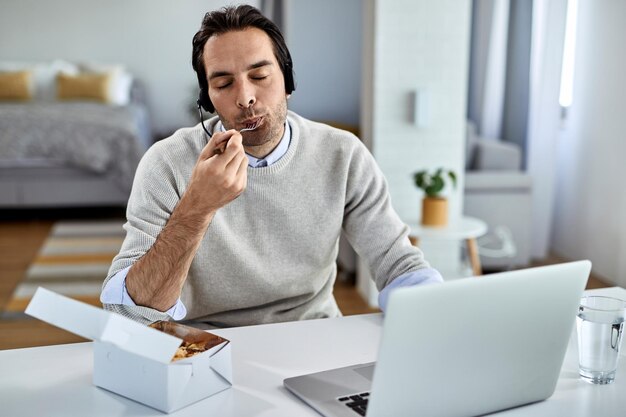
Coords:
pixel 151 37
pixel 590 213
pixel 417 45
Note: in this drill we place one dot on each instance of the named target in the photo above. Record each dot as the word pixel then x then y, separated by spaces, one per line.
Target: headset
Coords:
pixel 204 102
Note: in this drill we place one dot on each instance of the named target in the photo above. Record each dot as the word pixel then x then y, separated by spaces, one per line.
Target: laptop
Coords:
pixel 462 348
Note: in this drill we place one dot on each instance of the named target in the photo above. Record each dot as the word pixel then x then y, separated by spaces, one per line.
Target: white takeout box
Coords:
pixel 134 360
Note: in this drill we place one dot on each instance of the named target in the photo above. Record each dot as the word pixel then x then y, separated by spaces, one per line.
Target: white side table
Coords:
pixel 465 228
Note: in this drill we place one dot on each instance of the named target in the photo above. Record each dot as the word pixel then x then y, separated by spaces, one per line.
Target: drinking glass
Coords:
pixel 599 324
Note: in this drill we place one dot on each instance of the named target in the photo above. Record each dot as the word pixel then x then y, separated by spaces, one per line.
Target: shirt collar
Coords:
pixel 278 152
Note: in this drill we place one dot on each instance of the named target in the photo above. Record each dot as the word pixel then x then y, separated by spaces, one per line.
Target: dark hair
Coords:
pixel 231 18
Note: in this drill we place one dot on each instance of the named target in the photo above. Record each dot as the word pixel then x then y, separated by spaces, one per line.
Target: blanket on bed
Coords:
pixel 91 136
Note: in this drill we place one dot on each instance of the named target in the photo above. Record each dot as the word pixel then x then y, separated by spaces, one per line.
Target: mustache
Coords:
pixel 248 115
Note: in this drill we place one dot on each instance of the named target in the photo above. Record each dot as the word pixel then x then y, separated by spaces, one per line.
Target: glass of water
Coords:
pixel 599 323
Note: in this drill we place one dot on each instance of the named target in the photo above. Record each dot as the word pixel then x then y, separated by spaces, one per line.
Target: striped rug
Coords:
pixel 74 260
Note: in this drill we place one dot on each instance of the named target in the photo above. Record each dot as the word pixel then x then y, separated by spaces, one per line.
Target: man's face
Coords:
pixel 246 86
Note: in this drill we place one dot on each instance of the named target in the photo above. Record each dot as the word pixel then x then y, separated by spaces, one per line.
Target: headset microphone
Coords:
pixel 202 117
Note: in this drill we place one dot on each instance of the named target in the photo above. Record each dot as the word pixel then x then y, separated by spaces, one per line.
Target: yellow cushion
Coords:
pixel 16 85
pixel 84 87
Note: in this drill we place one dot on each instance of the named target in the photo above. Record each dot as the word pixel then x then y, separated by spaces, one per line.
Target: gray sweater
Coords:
pixel 269 255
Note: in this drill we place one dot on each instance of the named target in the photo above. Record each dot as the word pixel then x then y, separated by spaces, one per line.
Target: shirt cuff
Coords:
pixel 114 292
pixel 422 276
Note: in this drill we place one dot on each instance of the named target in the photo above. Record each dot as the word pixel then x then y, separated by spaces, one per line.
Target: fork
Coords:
pixel 220 150
pixel 253 127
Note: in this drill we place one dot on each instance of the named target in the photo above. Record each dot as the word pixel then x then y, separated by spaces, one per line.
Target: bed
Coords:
pixel 70 153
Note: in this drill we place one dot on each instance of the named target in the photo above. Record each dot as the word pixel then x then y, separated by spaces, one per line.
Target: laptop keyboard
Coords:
pixel 357 402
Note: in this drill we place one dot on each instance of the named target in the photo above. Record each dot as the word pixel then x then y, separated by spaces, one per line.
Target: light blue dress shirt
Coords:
pixel 115 291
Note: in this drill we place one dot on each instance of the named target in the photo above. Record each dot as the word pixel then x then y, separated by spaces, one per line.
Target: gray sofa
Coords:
pixel 499 192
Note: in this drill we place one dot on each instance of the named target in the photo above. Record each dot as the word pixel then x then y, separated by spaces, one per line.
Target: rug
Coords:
pixel 73 261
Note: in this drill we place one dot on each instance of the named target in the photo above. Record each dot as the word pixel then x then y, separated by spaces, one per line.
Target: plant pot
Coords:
pixel 434 211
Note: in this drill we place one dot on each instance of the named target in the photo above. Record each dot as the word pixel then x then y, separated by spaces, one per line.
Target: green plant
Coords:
pixel 433 183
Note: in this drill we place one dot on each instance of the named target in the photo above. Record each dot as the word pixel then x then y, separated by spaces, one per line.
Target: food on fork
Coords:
pixel 249 127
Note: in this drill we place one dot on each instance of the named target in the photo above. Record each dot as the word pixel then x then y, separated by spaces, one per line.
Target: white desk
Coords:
pixel 56 380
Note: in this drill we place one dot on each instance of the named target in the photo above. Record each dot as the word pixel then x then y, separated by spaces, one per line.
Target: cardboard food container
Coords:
pixel 134 360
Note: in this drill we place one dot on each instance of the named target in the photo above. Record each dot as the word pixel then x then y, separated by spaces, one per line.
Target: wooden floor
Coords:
pixel 20 241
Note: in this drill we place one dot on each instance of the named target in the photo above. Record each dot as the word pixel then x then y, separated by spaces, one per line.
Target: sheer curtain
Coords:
pixel 499 69
pixel 544 118
pixel 515 72
pixel 490 20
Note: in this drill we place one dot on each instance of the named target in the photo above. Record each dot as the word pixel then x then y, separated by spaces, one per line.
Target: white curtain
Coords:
pixel 536 133
pixel 490 25
pixel 544 117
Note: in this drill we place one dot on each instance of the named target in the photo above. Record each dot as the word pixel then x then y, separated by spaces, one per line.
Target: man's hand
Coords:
pixel 220 174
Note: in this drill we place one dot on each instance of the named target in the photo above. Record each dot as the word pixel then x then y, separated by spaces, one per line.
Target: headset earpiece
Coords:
pixel 204 101
pixel 290 85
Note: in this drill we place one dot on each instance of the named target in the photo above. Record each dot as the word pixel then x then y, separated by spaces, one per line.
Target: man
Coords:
pixel 229 227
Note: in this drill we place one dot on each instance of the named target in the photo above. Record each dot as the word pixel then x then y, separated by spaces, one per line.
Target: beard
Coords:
pixel 269 131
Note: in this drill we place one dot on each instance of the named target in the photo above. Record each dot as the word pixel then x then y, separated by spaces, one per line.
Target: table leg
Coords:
pixel 472 250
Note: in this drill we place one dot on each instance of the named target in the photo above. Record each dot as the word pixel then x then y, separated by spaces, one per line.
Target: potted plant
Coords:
pixel 434 205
